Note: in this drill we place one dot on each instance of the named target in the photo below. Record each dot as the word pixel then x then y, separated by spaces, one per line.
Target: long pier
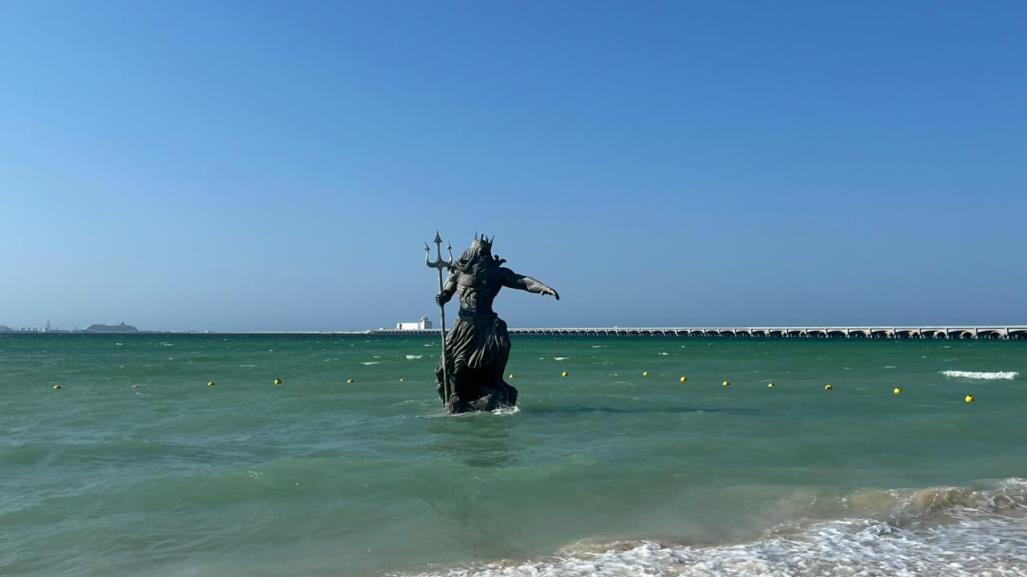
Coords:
pixel 1018 332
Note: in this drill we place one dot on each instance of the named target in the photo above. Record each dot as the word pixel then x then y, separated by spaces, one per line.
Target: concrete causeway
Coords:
pixel 1008 332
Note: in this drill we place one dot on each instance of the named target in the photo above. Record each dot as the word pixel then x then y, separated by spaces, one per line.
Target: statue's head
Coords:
pixel 479 254
pixel 480 246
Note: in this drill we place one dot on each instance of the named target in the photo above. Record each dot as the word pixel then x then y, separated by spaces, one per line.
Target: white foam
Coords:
pixel 984 375
pixel 560 358
pixel 413 357
pixel 859 547
pixel 982 533
pixel 371 363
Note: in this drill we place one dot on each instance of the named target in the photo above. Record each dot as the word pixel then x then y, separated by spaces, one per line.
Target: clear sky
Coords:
pixel 274 166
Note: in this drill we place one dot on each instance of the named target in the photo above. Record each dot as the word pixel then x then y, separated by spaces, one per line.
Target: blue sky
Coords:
pixel 273 166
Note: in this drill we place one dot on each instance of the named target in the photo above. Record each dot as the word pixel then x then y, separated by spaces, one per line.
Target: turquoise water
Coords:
pixel 137 467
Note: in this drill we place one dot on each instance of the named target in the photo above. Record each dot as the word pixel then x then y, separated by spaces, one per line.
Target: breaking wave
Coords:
pixel 942 531
pixel 984 375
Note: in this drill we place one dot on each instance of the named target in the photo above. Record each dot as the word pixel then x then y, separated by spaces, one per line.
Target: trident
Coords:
pixel 441 264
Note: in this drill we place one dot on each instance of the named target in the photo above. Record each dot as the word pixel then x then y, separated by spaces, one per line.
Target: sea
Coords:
pixel 180 456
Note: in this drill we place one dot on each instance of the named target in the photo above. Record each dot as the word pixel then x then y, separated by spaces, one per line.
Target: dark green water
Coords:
pixel 137 467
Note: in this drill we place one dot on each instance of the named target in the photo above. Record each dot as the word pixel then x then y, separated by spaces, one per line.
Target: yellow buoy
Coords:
pixel 683 379
pixel 57 387
pixel 770 385
pixel 645 373
pixel 402 380
pixel 896 391
pixel 828 387
pixel 210 383
pixel 135 386
pixel 278 381
pixel 511 376
pixel 564 374
pixel 968 399
pixel 726 383
pixel 349 381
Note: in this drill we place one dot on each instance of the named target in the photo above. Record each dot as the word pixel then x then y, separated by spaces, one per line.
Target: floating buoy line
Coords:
pixel 897 390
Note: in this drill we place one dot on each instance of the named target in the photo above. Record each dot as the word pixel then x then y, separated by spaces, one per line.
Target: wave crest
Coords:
pixel 982 375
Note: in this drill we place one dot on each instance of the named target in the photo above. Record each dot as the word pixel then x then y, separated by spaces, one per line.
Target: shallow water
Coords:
pixel 603 472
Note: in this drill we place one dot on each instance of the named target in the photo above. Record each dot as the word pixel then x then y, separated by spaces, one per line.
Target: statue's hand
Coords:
pixel 550 291
pixel 441 299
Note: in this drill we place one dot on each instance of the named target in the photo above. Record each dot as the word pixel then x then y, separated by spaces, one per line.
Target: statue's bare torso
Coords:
pixel 478 289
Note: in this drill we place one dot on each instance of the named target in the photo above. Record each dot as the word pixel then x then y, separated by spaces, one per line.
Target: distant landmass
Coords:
pixel 98 328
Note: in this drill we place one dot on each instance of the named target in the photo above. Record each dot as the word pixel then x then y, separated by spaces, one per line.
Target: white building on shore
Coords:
pixel 421 325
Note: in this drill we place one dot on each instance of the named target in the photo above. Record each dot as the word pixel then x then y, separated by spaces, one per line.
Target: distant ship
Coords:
pixel 102 328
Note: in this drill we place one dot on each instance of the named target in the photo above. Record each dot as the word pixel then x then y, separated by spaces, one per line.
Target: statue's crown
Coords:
pixel 484 241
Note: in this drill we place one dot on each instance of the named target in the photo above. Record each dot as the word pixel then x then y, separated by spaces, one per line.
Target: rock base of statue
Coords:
pixel 485 397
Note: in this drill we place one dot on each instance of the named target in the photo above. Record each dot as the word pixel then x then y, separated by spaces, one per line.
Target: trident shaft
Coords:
pixel 441 265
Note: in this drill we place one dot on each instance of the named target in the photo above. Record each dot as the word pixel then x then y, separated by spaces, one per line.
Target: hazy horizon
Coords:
pixel 261 166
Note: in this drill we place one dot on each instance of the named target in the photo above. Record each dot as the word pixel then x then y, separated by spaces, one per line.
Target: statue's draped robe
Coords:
pixel 477 349
pixel 478 341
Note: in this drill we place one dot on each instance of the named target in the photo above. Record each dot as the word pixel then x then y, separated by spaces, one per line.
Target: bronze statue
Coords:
pixel 470 373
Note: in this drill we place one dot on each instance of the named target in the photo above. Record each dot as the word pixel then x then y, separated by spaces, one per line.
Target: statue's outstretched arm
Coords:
pixel 526 283
pixel 448 289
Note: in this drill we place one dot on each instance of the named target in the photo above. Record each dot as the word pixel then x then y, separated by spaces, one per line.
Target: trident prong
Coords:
pixel 438 262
